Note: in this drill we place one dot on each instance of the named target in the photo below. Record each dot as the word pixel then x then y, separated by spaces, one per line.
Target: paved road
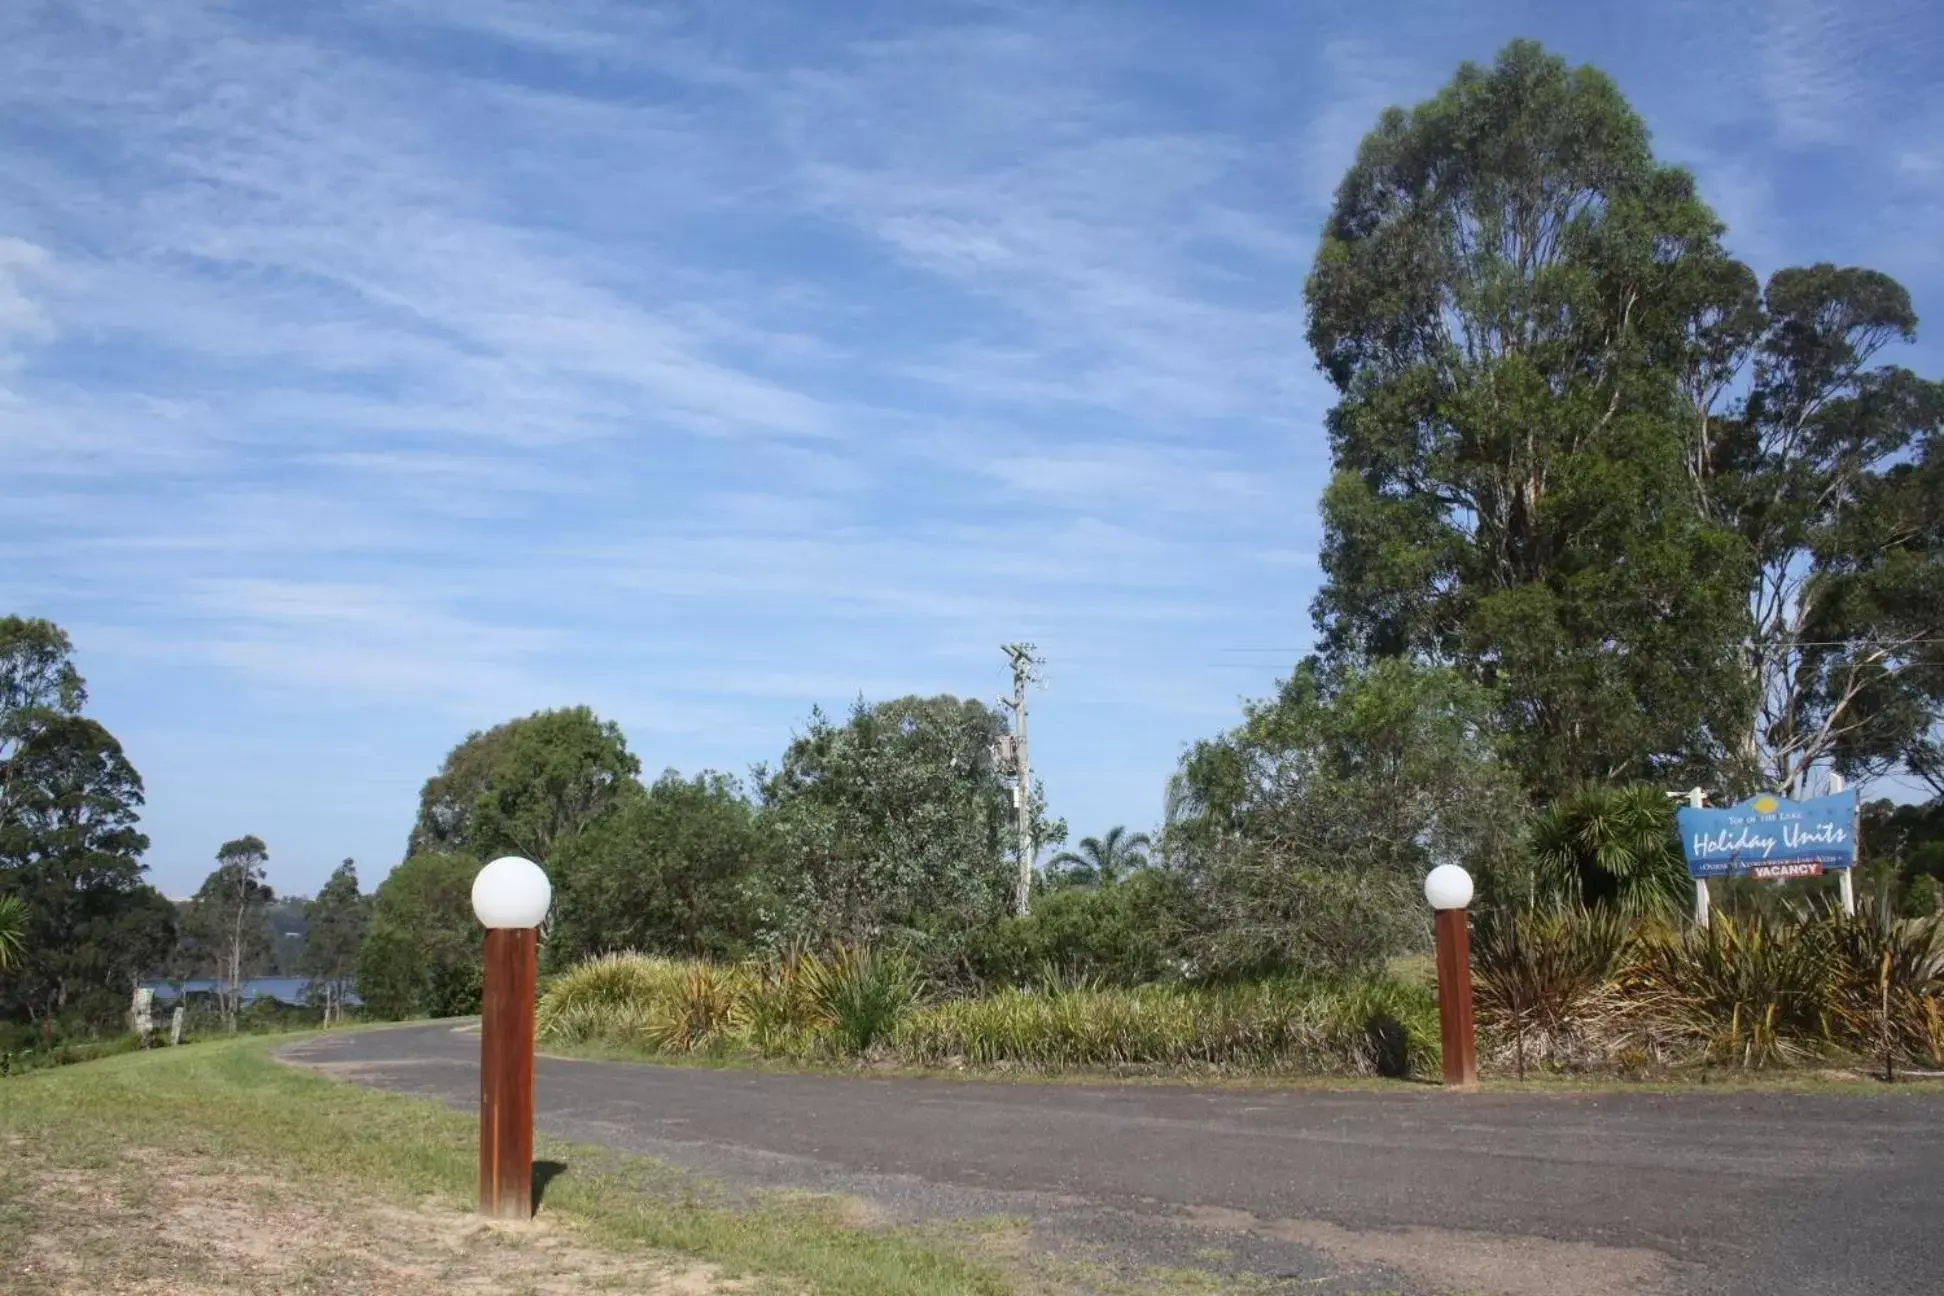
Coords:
pixel 1410 1190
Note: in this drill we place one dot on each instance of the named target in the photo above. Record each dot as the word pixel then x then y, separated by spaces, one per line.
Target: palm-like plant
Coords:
pixel 1103 861
pixel 1612 846
pixel 13 929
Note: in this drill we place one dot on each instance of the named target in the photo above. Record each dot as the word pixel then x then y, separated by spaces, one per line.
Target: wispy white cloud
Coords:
pixel 365 641
pixel 1827 65
pixel 21 319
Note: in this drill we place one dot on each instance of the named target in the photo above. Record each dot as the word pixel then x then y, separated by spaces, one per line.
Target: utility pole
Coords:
pixel 1025 663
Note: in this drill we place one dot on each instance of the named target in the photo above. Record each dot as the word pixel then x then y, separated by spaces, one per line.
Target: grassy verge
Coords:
pixel 252 1149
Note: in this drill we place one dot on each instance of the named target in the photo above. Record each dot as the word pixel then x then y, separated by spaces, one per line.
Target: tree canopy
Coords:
pixel 38 682
pixel 338 919
pixel 521 787
pixel 1827 467
pixel 1313 822
pixel 70 849
pixel 226 918
pixel 679 870
pixel 898 823
pixel 423 955
pixel 1512 299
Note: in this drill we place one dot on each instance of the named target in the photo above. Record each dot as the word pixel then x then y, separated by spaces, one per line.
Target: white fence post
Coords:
pixel 1695 800
pixel 141 1014
pixel 1843 881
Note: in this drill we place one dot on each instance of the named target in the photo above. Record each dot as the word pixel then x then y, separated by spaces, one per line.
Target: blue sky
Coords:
pixel 370 373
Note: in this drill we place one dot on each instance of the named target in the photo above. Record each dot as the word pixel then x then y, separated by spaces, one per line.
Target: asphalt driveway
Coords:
pixel 1410 1189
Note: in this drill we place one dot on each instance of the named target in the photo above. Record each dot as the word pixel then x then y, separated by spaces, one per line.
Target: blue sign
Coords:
pixel 1770 837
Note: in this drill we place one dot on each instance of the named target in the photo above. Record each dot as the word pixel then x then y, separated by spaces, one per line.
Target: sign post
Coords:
pixel 1697 799
pixel 1843 883
pixel 1769 837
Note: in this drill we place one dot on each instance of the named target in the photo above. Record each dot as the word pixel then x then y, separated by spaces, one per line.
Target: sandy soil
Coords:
pixel 178 1227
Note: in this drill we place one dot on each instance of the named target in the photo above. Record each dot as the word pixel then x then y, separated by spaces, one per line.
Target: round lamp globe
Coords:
pixel 1448 887
pixel 511 892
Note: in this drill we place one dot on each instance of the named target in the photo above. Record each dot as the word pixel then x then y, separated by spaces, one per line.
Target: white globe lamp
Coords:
pixel 511 892
pixel 1448 887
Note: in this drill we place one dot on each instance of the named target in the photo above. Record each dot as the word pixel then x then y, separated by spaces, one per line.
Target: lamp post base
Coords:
pixel 1455 1000
pixel 506 1074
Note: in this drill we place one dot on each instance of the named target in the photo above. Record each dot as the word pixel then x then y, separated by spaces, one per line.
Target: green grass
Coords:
pixel 230 1102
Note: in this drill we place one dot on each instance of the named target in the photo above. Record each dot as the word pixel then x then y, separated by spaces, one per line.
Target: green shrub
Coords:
pixel 1125 933
pixel 1612 847
pixel 422 956
pixel 19 1061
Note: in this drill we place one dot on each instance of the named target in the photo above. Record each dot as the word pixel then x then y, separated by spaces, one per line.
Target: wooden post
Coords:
pixel 506 1075
pixel 1455 999
pixel 175 1026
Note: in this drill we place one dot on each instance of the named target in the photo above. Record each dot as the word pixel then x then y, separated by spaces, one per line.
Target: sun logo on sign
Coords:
pixel 1767 805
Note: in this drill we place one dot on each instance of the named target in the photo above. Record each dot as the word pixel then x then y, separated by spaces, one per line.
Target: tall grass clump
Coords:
pixel 792 1004
pixel 612 998
pixel 1765 988
pixel 1749 991
pixel 1544 982
pixel 698 1010
pixel 859 997
pixel 777 1011
pixel 1887 1000
pixel 1375 1028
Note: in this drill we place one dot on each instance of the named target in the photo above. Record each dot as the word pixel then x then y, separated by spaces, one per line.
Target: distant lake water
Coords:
pixel 288 990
